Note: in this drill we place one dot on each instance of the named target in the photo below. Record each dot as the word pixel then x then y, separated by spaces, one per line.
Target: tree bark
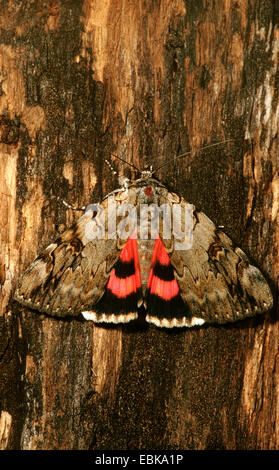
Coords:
pixel 147 81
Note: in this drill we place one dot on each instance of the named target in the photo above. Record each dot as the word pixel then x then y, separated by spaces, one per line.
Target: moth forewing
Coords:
pixel 71 273
pixel 216 278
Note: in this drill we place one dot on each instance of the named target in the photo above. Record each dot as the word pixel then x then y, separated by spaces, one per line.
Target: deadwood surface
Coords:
pixel 81 79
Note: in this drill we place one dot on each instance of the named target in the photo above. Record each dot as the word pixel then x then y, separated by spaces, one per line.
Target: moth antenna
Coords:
pixel 191 151
pixel 69 206
pixel 127 163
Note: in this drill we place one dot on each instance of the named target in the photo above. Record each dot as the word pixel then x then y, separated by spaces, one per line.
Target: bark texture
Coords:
pixel 145 80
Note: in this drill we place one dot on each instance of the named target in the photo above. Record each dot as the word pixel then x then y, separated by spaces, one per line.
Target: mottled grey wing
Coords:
pixel 216 280
pixel 71 273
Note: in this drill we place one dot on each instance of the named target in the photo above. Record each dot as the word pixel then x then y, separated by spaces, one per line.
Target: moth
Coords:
pixel 107 266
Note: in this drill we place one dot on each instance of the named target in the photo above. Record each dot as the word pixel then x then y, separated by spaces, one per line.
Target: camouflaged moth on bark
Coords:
pixel 181 283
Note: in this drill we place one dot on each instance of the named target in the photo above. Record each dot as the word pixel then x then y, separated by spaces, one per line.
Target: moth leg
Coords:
pixel 69 206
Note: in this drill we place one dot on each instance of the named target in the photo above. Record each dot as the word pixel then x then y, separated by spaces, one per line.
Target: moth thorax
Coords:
pixel 145 249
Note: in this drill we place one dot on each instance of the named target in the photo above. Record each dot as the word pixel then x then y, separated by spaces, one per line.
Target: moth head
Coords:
pixel 147 173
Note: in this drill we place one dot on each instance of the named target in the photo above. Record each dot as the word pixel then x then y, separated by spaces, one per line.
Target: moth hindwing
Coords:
pixel 109 264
